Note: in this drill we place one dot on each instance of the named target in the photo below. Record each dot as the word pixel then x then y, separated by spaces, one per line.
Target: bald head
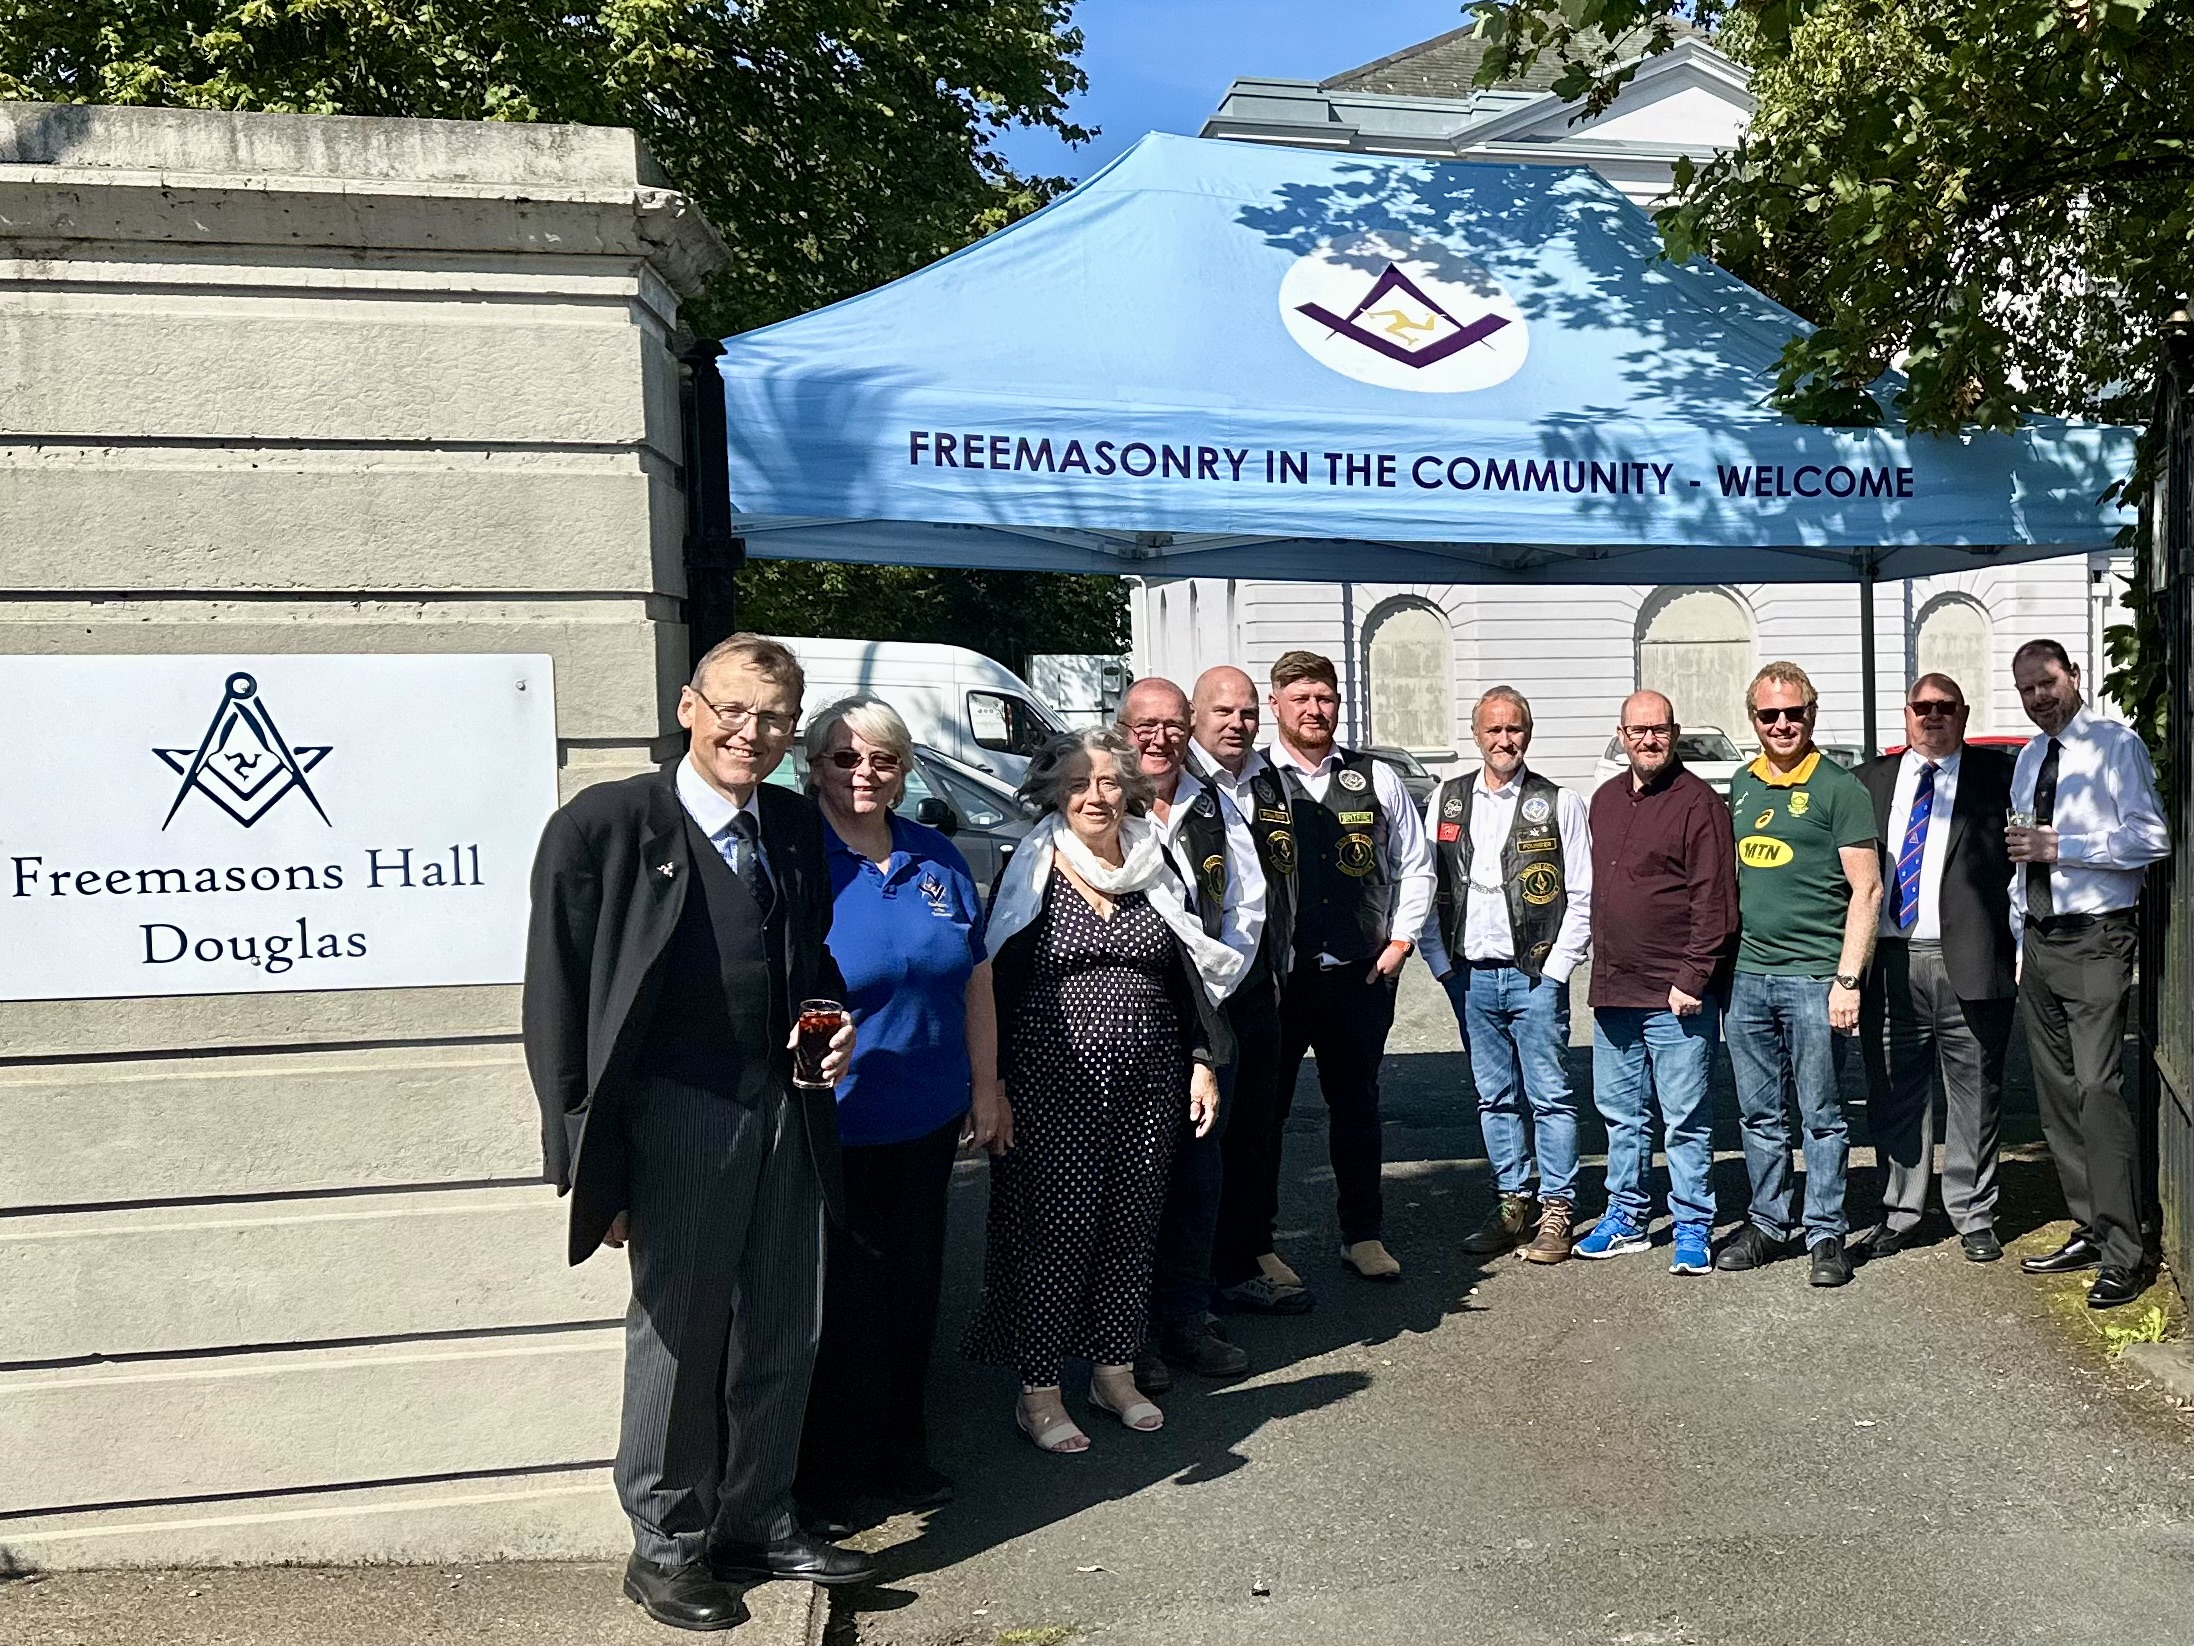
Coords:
pixel 1223 715
pixel 1154 714
pixel 1648 731
pixel 1153 696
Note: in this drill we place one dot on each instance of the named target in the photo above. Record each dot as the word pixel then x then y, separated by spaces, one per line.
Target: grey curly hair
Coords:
pixel 1053 769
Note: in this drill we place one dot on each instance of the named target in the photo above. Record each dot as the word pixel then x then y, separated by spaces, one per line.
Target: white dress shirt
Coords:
pixel 1928 928
pixel 1408 854
pixel 709 808
pixel 1242 920
pixel 1487 934
pixel 2109 826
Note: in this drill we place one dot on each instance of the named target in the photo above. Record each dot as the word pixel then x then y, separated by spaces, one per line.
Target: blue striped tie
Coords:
pixel 1915 848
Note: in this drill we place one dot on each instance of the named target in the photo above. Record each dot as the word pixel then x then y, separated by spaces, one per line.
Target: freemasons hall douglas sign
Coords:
pixel 233 825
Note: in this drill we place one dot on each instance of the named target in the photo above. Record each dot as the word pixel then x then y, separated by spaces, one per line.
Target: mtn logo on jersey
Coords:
pixel 1763 851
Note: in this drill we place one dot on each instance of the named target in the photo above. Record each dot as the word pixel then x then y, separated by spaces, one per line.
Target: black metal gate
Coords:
pixel 2167 948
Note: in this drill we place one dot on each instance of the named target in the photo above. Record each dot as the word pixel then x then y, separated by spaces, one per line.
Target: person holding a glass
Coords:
pixel 907 930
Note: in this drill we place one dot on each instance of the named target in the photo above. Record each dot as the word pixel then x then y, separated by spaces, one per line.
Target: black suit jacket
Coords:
pixel 1975 908
pixel 609 882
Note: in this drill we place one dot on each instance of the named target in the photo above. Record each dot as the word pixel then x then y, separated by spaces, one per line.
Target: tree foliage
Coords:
pixel 1006 615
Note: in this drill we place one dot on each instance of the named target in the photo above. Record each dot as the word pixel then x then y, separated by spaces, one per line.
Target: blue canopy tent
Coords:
pixel 1230 360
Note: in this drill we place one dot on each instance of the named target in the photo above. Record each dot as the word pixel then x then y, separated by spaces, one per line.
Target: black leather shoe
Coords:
pixel 2074 1255
pixel 1981 1246
pixel 923 1488
pixel 1831 1264
pixel 1751 1247
pixel 1197 1348
pixel 1152 1375
pixel 802 1555
pixel 1888 1242
pixel 2115 1287
pixel 685 1597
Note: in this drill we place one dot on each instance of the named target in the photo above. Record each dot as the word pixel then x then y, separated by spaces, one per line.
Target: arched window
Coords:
pixel 1695 648
pixel 1408 669
pixel 1953 640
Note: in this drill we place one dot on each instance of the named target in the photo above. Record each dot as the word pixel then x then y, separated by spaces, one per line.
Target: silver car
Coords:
pixel 1706 750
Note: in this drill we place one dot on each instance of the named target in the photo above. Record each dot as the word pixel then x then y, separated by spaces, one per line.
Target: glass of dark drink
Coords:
pixel 819 1020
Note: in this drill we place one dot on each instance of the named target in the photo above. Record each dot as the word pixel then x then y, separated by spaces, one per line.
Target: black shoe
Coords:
pixel 1751 1247
pixel 1831 1265
pixel 685 1597
pixel 923 1488
pixel 1197 1348
pixel 799 1556
pixel 1981 1246
pixel 1888 1242
pixel 827 1518
pixel 1152 1375
pixel 2114 1287
pixel 2077 1253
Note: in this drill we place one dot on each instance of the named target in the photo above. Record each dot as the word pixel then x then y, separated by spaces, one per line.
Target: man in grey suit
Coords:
pixel 678 919
pixel 1942 990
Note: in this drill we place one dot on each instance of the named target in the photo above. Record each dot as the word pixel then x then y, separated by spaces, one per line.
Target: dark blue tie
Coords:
pixel 1915 849
pixel 744 853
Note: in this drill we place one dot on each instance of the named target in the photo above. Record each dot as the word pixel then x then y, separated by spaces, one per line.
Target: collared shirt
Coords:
pixel 907 933
pixel 1664 905
pixel 1928 928
pixel 1242 919
pixel 2109 826
pixel 709 808
pixel 1792 829
pixel 1408 853
pixel 1487 934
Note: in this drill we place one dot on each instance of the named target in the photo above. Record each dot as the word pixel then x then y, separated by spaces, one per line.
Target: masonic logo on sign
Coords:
pixel 243 764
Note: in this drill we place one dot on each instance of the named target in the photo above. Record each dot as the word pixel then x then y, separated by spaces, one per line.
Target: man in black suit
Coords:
pixel 1942 990
pixel 678 919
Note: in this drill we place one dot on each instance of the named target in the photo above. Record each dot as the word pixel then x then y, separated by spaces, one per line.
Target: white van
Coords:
pixel 954 700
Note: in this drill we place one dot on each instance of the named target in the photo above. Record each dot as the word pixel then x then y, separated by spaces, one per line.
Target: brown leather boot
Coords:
pixel 1509 1226
pixel 1551 1244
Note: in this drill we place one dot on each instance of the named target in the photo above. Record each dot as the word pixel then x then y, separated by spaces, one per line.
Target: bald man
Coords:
pixel 1215 860
pixel 1664 930
pixel 1250 1276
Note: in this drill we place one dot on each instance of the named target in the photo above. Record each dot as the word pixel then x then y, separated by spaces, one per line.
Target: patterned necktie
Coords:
pixel 2041 903
pixel 1915 849
pixel 743 851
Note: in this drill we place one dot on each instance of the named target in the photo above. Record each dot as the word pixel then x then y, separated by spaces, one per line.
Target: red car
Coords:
pixel 2014 744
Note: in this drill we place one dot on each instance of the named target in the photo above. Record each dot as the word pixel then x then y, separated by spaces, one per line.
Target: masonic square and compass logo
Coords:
pixel 243 764
pixel 1403 313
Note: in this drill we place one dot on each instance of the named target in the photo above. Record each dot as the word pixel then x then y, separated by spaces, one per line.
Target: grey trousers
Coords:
pixel 1916 1028
pixel 2074 986
pixel 727 1286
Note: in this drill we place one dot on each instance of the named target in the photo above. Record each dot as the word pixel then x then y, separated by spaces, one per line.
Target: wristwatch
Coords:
pixel 1849 981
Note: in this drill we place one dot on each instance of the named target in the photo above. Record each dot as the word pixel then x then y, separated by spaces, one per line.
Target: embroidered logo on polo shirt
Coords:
pixel 938 893
pixel 1799 800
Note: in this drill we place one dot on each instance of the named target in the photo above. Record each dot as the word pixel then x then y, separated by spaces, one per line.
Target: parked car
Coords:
pixel 956 701
pixel 1707 750
pixel 1419 782
pixel 985 819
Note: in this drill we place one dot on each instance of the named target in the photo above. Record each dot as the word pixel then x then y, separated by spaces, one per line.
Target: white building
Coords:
pixel 1414 657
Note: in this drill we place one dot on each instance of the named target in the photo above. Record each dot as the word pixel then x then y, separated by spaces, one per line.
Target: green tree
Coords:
pixel 836 144
pixel 1994 196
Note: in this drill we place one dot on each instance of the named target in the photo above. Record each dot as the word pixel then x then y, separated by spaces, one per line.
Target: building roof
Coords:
pixel 1447 64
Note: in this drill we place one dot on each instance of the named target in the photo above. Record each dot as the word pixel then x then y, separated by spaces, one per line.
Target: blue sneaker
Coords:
pixel 1691 1256
pixel 1613 1236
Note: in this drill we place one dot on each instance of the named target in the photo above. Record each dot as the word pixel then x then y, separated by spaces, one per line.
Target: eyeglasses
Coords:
pixel 1935 708
pixel 734 717
pixel 1638 734
pixel 883 765
pixel 1796 717
pixel 1156 728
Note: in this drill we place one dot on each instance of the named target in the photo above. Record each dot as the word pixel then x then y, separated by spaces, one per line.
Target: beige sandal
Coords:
pixel 1133 1411
pixel 1047 1426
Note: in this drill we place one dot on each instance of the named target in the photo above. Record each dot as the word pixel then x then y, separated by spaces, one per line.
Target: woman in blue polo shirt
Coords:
pixel 907 932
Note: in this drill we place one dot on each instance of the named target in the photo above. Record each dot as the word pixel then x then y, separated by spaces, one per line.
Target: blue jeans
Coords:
pixel 1639 1055
pixel 1778 1034
pixel 1515 1030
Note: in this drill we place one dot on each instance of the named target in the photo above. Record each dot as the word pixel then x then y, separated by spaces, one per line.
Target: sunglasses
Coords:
pixel 1935 708
pixel 1768 717
pixel 883 765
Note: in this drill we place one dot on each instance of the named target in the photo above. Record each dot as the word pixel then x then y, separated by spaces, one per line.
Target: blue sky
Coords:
pixel 1160 65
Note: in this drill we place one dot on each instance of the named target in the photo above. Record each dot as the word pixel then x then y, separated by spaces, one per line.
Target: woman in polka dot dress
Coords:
pixel 1105 985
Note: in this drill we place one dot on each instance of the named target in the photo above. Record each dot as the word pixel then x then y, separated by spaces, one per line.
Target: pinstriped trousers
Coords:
pixel 727 1285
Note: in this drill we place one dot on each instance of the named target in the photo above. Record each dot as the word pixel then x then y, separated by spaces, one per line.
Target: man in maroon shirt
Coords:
pixel 1664 924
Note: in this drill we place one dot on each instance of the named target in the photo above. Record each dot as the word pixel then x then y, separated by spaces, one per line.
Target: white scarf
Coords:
pixel 1143 868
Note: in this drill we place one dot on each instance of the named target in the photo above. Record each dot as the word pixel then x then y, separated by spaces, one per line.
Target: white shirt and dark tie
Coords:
pixel 1920 809
pixel 735 831
pixel 2102 804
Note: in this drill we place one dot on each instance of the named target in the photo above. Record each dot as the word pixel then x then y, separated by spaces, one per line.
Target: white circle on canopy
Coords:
pixel 1401 312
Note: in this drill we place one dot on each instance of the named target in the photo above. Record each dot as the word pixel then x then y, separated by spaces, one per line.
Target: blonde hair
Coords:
pixel 873 721
pixel 1781 674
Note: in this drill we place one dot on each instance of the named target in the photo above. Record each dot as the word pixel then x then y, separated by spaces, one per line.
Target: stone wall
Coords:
pixel 281 1281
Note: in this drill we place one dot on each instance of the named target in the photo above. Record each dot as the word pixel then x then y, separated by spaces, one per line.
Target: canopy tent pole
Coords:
pixel 1867 684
